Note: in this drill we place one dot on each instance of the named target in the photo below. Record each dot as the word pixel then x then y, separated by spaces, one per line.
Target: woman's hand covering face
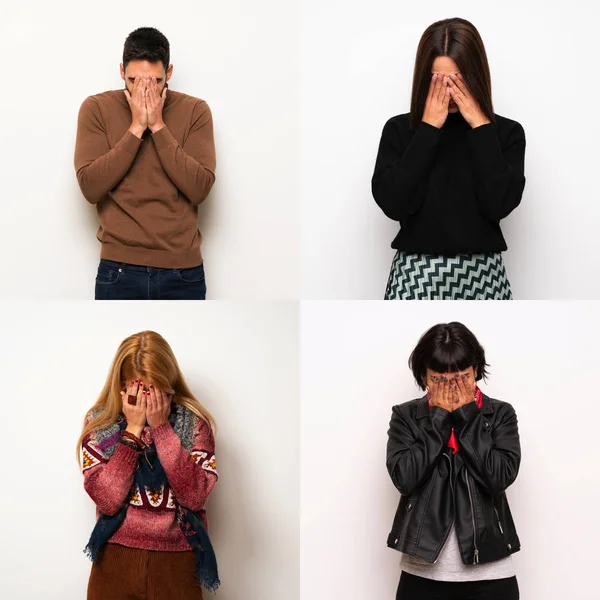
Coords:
pixel 159 407
pixel 437 101
pixel 463 390
pixel 439 393
pixel 134 413
pixel 467 105
pixel 451 391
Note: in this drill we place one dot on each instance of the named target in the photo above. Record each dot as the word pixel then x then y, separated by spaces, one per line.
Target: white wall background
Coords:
pixel 357 62
pixel 240 360
pixel 241 57
pixel 543 359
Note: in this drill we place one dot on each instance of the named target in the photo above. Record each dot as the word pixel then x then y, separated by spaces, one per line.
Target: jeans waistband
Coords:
pixel 140 268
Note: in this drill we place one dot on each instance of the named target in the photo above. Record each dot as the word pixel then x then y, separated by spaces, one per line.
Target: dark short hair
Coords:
pixel 146 43
pixel 446 348
pixel 458 39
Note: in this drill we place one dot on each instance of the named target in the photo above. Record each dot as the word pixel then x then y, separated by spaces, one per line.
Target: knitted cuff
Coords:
pixel 162 432
pixel 130 143
pixel 125 455
pixel 430 130
pixel 486 150
pixel 163 138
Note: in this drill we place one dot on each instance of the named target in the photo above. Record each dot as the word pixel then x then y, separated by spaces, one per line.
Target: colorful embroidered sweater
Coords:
pixel 151 519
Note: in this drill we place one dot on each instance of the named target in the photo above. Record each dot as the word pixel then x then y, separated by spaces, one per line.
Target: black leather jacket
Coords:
pixel 468 488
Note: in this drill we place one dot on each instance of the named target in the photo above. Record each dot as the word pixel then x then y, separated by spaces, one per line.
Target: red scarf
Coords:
pixel 452 442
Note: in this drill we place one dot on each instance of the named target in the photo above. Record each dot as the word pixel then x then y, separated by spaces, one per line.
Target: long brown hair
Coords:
pixel 459 40
pixel 148 355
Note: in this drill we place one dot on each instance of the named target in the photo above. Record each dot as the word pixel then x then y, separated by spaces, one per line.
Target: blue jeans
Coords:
pixel 121 281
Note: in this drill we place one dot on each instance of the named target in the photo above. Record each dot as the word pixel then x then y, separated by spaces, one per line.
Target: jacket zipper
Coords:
pixel 452 522
pixel 499 523
pixel 476 552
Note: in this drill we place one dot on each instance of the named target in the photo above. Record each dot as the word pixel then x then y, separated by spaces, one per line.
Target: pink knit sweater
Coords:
pixel 150 522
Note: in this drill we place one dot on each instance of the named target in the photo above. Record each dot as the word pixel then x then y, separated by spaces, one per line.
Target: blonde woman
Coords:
pixel 148 459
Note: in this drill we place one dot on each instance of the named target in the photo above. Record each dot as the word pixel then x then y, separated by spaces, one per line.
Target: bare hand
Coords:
pixel 439 393
pixel 159 407
pixel 436 104
pixel 137 104
pixel 463 392
pixel 467 105
pixel 135 413
pixel 155 102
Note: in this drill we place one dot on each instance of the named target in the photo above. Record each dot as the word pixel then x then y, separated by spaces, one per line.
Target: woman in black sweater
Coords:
pixel 448 172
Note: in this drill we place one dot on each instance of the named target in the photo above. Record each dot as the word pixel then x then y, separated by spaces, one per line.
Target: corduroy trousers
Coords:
pixel 123 573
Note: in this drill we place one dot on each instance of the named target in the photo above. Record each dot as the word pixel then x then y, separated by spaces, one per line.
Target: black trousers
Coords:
pixel 412 587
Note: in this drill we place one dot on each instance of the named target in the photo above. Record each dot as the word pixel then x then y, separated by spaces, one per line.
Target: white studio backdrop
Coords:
pixel 241 58
pixel 240 360
pixel 357 64
pixel 354 357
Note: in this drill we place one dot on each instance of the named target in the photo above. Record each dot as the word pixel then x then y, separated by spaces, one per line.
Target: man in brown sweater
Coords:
pixel 145 157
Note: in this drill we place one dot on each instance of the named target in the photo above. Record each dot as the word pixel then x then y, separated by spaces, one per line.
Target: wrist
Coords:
pixel 436 125
pixel 476 124
pixel 130 444
pixel 157 126
pixel 466 412
pixel 137 129
pixel 135 429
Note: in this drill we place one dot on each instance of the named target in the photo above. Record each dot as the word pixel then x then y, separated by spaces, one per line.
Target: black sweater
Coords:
pixel 449 187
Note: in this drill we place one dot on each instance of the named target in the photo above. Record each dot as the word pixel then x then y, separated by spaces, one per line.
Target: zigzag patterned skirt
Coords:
pixel 460 277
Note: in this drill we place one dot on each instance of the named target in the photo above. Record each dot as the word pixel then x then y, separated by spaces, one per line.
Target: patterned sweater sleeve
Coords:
pixel 108 481
pixel 191 474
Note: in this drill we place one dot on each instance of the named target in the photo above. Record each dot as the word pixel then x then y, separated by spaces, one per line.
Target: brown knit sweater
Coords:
pixel 147 191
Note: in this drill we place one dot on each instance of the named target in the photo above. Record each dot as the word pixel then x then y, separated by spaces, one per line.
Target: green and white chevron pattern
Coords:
pixel 460 277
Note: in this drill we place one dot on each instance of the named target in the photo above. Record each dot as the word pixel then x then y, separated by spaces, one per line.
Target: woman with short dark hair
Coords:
pixel 451 454
pixel 449 171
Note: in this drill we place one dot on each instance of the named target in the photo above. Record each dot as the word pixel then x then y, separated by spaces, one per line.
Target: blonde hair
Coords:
pixel 147 355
